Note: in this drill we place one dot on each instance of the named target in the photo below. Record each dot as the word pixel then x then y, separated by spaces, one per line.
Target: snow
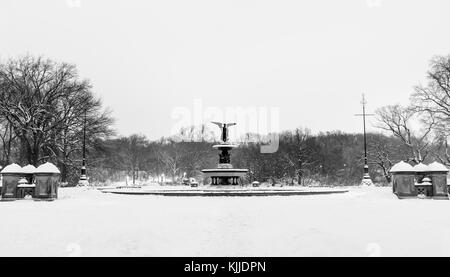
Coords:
pixel 437 167
pixel 367 221
pixel 424 183
pixel 421 168
pixel 29 169
pixel 12 168
pixel 47 168
pixel 402 167
pixel 26 186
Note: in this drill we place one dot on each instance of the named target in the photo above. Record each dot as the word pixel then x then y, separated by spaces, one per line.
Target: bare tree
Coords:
pixel 171 163
pixel 298 151
pixel 384 152
pixel 30 89
pixel 45 103
pixel 435 96
pixel 433 100
pixel 399 122
pixel 133 153
pixel 8 140
pixel 81 110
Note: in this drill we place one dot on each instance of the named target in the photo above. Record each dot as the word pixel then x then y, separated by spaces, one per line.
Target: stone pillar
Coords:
pixel 9 186
pixel 403 179
pixel 438 173
pixel 47 178
pixel 403 182
pixel 10 179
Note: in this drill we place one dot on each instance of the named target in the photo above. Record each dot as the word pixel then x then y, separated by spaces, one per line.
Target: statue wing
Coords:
pixel 218 124
pixel 230 124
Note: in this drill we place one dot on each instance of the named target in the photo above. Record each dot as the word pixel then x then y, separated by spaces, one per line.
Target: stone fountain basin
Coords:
pixel 225 191
pixel 225 172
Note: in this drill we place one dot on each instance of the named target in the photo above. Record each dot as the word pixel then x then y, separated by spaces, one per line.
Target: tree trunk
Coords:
pixel 64 172
pixel 35 155
pixel 63 165
pixel 300 173
pixel 8 155
pixel 26 155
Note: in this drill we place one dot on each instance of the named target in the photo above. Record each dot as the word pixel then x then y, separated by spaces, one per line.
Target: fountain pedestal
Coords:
pixel 225 174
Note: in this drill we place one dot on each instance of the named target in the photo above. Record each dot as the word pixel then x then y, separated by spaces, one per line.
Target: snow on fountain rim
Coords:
pixel 225 146
pixel 224 192
pixel 224 170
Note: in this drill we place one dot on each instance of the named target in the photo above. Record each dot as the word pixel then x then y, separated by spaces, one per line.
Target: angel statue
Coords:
pixel 224 127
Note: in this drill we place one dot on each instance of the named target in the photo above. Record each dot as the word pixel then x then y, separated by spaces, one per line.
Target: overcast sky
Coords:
pixel 310 59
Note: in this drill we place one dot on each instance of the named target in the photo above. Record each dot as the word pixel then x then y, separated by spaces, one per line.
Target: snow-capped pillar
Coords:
pixel 10 179
pixel 403 176
pixel 47 178
pixel 438 173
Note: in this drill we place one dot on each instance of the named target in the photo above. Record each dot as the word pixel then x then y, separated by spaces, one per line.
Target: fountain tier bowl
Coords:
pixel 226 172
pixel 224 146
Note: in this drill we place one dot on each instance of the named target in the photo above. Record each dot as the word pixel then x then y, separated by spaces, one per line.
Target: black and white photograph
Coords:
pixel 243 129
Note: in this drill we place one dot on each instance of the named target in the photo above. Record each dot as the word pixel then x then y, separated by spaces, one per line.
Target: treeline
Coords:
pixel 332 158
pixel 45 106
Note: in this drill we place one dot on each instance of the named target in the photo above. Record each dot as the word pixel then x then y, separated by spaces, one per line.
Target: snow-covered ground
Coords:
pixel 363 222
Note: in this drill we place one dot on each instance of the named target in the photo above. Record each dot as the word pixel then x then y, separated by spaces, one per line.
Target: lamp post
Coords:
pixel 366 177
pixel 83 178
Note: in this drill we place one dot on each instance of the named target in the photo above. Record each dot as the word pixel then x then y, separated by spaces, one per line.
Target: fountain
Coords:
pixel 224 180
pixel 225 174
